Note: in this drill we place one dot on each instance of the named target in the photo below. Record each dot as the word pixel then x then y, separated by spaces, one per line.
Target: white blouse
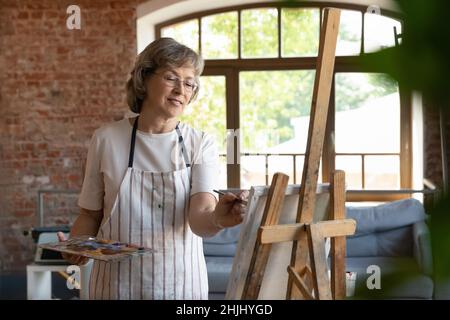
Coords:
pixel 107 160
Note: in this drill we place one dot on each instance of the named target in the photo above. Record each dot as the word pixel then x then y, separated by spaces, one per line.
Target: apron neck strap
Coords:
pixel 133 142
pixel 183 147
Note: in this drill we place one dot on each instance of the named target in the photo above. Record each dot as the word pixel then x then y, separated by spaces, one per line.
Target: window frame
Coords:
pixel 230 68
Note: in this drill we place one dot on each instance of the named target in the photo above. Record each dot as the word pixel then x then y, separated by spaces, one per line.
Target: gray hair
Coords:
pixel 161 53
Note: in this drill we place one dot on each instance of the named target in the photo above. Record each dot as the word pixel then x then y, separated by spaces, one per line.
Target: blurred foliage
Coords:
pixel 391 283
pixel 259 33
pixel 295 43
pixel 220 36
pixel 422 61
pixel 185 32
pixel 440 239
pixel 352 92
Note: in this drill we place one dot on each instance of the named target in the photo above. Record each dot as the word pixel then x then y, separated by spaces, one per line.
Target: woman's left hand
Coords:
pixel 229 212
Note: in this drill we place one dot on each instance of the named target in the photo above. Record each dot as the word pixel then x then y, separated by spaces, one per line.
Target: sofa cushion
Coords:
pixel 386 216
pixel 227 235
pixel 391 243
pixel 220 250
pixel 224 243
pixel 442 289
pixel 419 286
pixel 219 270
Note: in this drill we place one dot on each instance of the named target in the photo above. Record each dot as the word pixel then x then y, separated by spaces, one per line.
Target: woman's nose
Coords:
pixel 179 87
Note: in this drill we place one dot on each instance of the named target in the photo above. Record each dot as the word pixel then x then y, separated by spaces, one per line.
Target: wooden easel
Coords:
pixel 308 272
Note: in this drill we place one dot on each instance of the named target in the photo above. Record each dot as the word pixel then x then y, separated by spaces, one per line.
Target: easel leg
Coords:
pixel 319 268
pixel 338 249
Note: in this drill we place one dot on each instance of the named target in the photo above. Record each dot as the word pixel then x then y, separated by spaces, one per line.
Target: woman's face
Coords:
pixel 170 90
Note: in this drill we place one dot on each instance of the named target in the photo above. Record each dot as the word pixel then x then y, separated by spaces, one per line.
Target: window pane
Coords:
pixel 219 36
pixel 274 110
pixel 223 184
pixel 253 172
pixel 379 32
pixel 382 172
pixel 367 113
pixel 349 37
pixel 299 162
pixel 299 32
pixel 207 113
pixel 299 170
pixel 259 33
pixel 284 164
pixel 184 32
pixel 352 167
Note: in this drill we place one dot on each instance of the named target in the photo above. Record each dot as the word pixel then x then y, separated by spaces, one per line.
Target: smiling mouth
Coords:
pixel 175 101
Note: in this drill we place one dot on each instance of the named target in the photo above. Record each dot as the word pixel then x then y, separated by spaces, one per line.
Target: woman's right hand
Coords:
pixel 71 258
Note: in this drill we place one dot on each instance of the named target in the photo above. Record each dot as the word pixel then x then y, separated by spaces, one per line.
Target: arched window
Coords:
pixel 260 62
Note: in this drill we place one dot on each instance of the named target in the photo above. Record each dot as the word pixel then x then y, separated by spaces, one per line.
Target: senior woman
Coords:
pixel 149 180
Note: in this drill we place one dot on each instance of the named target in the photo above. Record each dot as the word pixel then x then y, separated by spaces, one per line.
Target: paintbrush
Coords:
pixel 237 199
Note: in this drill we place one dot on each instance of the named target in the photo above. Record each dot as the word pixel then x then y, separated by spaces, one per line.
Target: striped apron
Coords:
pixel 151 209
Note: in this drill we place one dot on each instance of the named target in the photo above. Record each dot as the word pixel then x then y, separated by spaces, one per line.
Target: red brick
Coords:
pixel 52 14
pixel 37 14
pixel 42 146
pixel 22 15
pixel 63 50
pixel 23 213
pixel 74 178
pixel 53 154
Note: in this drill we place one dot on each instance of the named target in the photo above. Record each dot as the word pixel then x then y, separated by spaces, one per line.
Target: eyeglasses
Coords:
pixel 172 81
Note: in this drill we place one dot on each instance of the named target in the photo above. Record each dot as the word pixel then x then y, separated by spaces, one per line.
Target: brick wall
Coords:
pixel 432 144
pixel 57 86
pixel 447 137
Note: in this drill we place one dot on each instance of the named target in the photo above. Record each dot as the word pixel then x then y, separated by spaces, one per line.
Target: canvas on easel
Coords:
pixel 274 284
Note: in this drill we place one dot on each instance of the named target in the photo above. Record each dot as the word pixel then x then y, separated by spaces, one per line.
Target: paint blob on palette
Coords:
pixel 96 248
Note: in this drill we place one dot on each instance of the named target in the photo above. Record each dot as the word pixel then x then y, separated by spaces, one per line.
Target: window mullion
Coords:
pixel 362 34
pixel 239 35
pixel 232 96
pixel 279 32
pixel 199 35
pixel 405 139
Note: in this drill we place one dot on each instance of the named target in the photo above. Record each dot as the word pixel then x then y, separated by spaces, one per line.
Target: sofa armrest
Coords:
pixel 422 247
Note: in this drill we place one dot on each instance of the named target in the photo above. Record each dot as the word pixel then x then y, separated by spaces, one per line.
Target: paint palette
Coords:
pixel 95 248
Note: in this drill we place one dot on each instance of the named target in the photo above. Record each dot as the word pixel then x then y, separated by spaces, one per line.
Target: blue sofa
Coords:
pixel 393 237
